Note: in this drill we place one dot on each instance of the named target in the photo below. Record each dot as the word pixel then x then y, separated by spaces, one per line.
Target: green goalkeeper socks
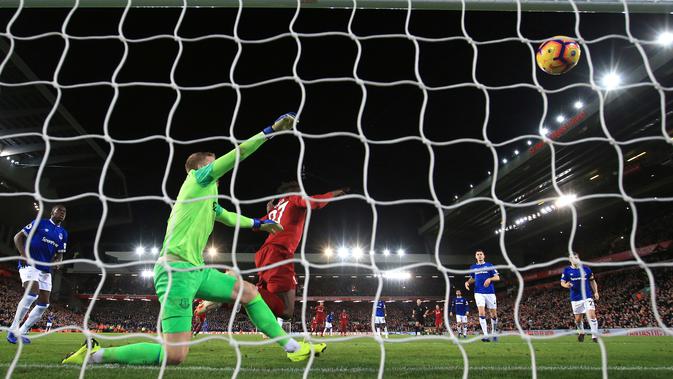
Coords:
pixel 266 322
pixel 134 354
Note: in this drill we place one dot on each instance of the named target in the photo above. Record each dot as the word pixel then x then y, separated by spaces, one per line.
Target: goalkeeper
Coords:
pixel 179 275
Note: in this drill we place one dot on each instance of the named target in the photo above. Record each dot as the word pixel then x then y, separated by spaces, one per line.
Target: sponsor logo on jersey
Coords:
pixel 48 241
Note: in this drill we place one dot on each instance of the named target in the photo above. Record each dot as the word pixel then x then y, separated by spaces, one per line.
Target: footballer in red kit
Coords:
pixel 343 322
pixel 320 316
pixel 277 285
pixel 199 317
pixel 439 320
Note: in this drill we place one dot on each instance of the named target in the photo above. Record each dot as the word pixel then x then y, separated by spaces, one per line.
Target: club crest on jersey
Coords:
pixel 184 303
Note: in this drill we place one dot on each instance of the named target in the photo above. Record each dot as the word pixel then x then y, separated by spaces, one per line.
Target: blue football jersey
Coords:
pixel 574 276
pixel 459 306
pixel 330 317
pixel 48 240
pixel 381 309
pixel 480 274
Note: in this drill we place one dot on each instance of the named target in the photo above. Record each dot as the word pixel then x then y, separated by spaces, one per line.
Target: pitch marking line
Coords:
pixel 345 369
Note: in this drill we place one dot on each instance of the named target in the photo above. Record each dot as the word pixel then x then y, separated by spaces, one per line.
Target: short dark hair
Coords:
pixel 195 161
pixel 290 186
pixel 58 206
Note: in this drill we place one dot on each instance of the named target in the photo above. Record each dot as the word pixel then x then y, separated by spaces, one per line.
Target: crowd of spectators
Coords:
pixel 625 302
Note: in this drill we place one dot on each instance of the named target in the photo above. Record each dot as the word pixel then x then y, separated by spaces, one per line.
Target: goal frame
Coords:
pixel 615 6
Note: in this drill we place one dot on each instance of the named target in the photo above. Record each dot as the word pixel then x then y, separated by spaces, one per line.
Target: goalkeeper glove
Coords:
pixel 268 226
pixel 284 122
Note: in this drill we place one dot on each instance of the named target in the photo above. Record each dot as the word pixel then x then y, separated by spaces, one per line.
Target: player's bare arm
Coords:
pixel 565 284
pixel 468 283
pixel 341 191
pixel 20 243
pixel 58 258
pixel 494 278
pixel 594 287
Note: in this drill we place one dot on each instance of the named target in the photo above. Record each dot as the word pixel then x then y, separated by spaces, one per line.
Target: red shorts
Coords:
pixel 438 324
pixel 277 279
pixel 343 326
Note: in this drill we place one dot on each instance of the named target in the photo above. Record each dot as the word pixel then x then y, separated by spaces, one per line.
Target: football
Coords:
pixel 558 55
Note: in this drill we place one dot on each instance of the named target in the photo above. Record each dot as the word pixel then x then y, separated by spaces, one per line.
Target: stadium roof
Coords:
pixel 70 166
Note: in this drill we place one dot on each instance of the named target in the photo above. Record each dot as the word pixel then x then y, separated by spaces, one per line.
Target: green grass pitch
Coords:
pixel 406 357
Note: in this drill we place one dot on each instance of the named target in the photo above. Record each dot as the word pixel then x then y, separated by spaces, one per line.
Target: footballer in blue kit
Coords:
pixel 329 323
pixel 482 275
pixel 47 244
pixel 380 318
pixel 583 290
pixel 461 308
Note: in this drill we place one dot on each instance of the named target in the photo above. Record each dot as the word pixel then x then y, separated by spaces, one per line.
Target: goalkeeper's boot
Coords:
pixel 495 339
pixel 580 337
pixel 594 339
pixel 485 339
pixel 304 351
pixel 77 357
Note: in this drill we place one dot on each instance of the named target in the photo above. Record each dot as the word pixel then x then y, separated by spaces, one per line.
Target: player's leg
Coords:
pixel 196 325
pixel 29 281
pixel 175 349
pixel 481 308
pixel 40 306
pixel 264 257
pixel 578 313
pixel 217 286
pixel 385 328
pixel 288 297
pixel 175 291
pixel 593 320
pixel 494 323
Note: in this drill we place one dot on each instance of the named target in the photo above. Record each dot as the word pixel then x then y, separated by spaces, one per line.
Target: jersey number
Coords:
pixel 277 213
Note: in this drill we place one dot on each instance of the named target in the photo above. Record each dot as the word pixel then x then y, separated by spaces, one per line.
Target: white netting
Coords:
pixel 302 134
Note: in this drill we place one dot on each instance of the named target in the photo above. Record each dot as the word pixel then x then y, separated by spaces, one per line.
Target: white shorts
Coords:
pixel 379 320
pixel 30 273
pixel 49 325
pixel 328 325
pixel 462 319
pixel 582 306
pixel 485 299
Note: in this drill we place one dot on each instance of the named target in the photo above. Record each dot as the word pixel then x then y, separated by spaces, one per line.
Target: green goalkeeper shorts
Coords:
pixel 185 286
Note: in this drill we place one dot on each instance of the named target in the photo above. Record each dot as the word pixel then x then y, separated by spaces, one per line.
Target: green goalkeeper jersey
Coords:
pixel 196 209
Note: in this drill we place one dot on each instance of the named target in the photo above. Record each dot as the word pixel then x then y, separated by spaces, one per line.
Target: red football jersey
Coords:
pixel 343 318
pixel 290 212
pixel 320 312
pixel 438 315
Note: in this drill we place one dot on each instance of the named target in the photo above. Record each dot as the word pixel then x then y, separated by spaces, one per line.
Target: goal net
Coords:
pixel 434 113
